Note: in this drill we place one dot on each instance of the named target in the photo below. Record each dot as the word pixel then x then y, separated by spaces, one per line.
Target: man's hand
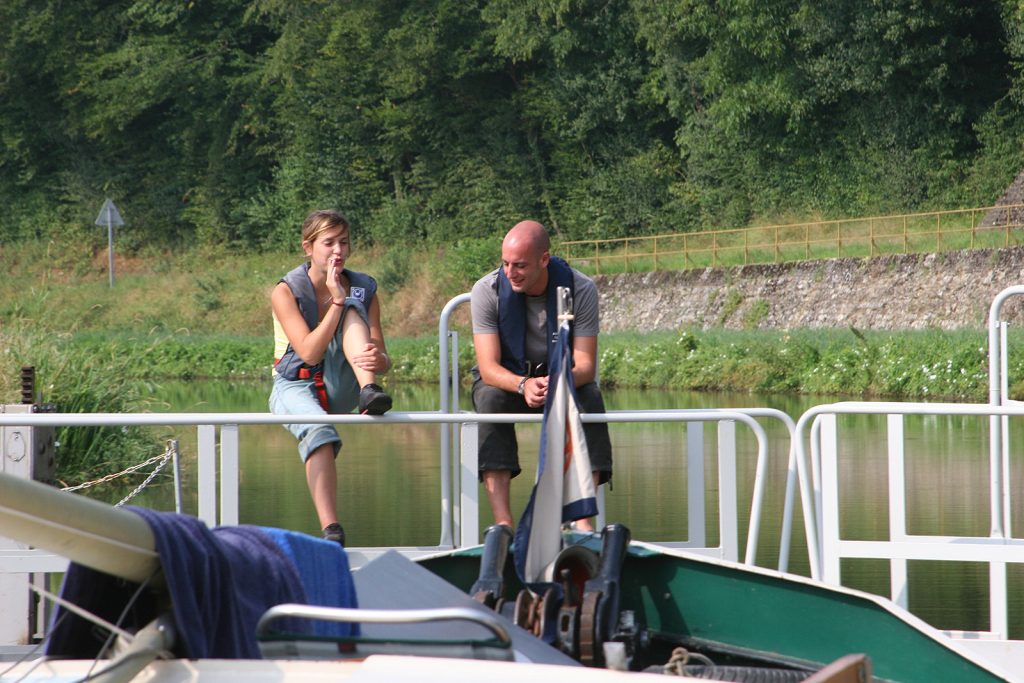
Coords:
pixel 535 391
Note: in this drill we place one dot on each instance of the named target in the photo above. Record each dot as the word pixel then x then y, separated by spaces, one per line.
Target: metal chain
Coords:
pixel 163 458
pixel 151 477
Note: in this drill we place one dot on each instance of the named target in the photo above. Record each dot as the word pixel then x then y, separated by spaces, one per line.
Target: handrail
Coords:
pixel 794 479
pixel 231 421
pixel 809 420
pixel 448 387
pixel 997 355
pixel 488 620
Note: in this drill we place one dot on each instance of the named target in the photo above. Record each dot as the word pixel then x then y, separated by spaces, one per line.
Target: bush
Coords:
pixel 82 379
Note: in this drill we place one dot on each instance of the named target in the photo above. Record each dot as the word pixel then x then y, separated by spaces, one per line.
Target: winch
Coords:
pixel 578 613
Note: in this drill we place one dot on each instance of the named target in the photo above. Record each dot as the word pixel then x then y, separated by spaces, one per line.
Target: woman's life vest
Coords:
pixel 362 287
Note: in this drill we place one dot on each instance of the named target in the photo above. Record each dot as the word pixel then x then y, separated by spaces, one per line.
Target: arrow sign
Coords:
pixel 109 215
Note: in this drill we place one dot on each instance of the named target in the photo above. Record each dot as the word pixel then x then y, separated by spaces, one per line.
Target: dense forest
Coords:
pixel 434 121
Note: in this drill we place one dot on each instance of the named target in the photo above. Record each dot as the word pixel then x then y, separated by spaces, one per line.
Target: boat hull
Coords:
pixel 740 613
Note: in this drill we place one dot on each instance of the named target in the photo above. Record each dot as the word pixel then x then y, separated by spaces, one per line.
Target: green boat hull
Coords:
pixel 760 615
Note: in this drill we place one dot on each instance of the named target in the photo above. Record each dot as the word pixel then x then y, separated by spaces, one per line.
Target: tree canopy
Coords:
pixel 443 120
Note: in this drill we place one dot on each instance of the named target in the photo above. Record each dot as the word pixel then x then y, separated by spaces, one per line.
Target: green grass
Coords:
pixel 205 314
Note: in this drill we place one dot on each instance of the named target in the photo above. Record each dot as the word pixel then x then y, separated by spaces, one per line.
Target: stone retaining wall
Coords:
pixel 947 291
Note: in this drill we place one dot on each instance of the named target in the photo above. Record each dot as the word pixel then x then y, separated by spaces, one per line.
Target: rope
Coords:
pixel 680 658
pixel 162 459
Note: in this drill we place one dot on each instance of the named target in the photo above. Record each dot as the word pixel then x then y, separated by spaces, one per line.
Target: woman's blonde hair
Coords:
pixel 320 221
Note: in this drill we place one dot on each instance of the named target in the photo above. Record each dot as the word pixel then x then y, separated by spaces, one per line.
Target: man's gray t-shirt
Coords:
pixel 484 308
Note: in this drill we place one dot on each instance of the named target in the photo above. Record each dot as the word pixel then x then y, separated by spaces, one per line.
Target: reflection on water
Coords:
pixel 389 484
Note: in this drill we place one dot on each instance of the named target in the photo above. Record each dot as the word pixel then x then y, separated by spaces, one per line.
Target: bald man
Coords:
pixel 514 326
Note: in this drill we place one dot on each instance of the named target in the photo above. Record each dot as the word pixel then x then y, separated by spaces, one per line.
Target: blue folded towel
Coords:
pixel 324 570
pixel 221 581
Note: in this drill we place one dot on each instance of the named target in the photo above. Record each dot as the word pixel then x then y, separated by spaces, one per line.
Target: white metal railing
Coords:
pixel 998 395
pixel 218 466
pixel 997 550
pixel 218 459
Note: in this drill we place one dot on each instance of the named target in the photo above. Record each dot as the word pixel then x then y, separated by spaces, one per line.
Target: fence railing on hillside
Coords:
pixel 987 227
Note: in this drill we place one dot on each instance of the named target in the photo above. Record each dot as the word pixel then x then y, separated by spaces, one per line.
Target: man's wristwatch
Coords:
pixel 522 386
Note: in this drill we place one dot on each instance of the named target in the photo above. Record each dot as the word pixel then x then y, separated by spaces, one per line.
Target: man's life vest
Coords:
pixel 512 314
pixel 361 287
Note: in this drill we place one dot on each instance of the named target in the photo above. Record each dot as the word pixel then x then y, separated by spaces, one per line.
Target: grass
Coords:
pixel 205 314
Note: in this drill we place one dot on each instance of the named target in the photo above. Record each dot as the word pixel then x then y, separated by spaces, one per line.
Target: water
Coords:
pixel 389 484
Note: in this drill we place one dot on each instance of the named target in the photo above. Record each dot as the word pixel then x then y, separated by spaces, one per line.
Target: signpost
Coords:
pixel 110 216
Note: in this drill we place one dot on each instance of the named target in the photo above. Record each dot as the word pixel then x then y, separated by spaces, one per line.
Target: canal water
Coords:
pixel 389 483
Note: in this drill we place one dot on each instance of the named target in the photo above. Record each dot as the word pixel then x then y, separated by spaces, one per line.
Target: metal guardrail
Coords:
pixel 483 618
pixel 996 550
pixel 994 226
pixel 219 461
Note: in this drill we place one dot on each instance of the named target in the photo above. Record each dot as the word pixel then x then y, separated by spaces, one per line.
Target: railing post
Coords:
pixel 905 242
pixel 229 474
pixel 469 513
pixel 871 238
pixel 997 595
pixel 829 531
pixel 728 520
pixel 897 509
pixel 207 470
pixel 696 533
pixel 448 385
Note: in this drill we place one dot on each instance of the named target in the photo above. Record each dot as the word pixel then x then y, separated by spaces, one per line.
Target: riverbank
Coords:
pixel 950 290
pixel 926 365
pixel 91 372
pixel 204 314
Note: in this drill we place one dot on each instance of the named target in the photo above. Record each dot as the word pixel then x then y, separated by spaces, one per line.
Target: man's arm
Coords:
pixel 584 356
pixel 488 361
pixel 492 372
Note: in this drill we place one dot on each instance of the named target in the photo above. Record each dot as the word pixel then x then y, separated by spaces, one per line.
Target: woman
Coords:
pixel 329 349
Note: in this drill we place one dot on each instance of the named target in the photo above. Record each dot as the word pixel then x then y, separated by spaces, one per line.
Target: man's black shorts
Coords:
pixel 499 449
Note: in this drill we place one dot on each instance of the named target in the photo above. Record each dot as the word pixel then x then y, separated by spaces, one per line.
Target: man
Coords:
pixel 514 324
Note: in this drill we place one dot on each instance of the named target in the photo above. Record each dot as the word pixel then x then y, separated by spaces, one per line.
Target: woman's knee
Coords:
pixel 320 437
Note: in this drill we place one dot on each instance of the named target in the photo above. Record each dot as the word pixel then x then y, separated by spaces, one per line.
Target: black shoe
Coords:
pixel 373 400
pixel 334 532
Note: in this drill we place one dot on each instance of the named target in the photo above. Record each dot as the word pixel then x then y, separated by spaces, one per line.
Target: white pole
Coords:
pixel 110 246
